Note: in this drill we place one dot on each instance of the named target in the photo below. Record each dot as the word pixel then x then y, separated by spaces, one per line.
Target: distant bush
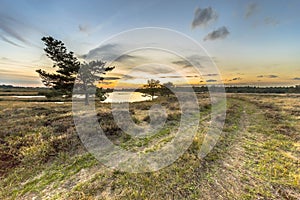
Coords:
pixel 50 94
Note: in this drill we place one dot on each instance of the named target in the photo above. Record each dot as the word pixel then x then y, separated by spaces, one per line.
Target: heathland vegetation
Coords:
pixel 257 156
pixel 42 157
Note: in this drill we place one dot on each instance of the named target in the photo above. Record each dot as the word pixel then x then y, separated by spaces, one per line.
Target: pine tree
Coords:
pixel 67 64
pixel 68 68
pixel 166 88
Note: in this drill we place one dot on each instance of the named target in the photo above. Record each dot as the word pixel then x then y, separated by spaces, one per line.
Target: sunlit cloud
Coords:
pixel 111 78
pixel 211 80
pixel 210 74
pixel 106 52
pixel 236 79
pixel 268 76
pixel 193 61
pixel 183 63
pixel 272 76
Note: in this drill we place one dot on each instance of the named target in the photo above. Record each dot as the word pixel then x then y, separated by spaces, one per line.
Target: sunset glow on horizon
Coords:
pixel 251 42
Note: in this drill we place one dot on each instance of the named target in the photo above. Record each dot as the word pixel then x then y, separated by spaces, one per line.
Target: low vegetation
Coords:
pixel 257 156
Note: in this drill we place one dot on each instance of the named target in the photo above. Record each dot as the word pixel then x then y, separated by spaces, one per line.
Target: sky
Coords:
pixel 250 42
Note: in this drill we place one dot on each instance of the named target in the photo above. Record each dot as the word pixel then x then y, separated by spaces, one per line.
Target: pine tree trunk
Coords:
pixel 87 98
pixel 152 95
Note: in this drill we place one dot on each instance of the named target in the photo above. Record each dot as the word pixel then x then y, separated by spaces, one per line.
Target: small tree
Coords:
pixel 89 74
pixel 166 88
pixel 151 87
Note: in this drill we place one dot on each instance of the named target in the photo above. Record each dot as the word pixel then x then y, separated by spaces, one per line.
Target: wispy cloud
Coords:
pixel 220 33
pixel 203 17
pixel 83 28
pixel 10 31
pixel 112 78
pixel 153 69
pixel 271 21
pixel 177 76
pixel 251 9
pixel 183 63
pixel 126 57
pixel 267 76
pixel 112 52
pixel 128 77
pixel 210 74
pixel 193 60
pixel 9 41
pixel 236 79
pixel 272 76
pixel 173 76
pixel 106 82
pixel 211 80
pixel 108 51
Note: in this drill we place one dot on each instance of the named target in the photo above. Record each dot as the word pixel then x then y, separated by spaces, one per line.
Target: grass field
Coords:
pixel 257 156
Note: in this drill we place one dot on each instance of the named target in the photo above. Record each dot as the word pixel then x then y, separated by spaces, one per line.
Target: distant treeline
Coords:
pixel 238 89
pixel 228 89
pixel 18 87
pixel 251 89
pixel 11 88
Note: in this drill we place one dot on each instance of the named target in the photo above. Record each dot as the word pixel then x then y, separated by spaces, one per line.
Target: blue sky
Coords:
pixel 261 38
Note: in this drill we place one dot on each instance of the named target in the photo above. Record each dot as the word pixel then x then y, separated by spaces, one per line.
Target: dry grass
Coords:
pixel 257 157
